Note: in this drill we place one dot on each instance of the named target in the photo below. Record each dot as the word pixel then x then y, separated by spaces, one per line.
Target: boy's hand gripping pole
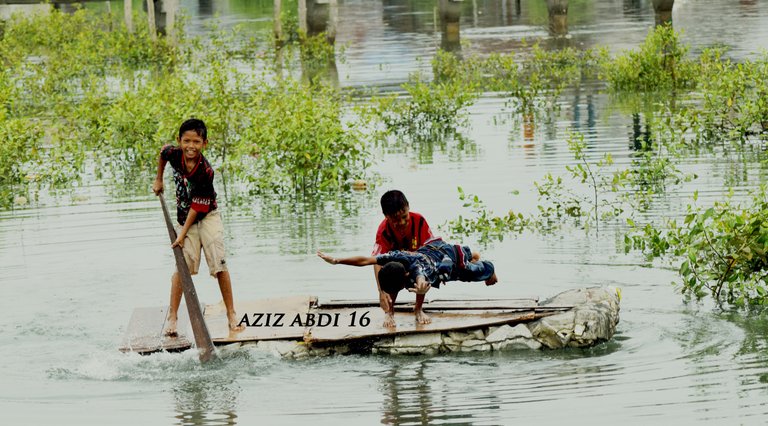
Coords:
pixel 199 329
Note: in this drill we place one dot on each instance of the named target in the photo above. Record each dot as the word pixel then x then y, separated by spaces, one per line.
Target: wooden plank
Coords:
pixel 277 326
pixel 406 323
pixel 343 303
pixel 144 333
pixel 314 324
pixel 445 304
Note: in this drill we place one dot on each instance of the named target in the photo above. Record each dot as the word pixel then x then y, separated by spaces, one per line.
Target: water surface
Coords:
pixel 73 267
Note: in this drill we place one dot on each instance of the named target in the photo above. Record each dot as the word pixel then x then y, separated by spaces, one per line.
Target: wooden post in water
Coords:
pixel 199 329
pixel 303 16
pixel 170 18
pixel 663 10
pixel 333 17
pixel 278 24
pixel 558 17
pixel 151 19
pixel 128 12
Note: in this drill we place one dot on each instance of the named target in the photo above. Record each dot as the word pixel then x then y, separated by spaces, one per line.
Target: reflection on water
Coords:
pixel 450 27
pixel 414 393
pixel 207 401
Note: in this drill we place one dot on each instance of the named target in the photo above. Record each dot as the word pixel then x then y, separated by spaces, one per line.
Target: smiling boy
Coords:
pixel 197 215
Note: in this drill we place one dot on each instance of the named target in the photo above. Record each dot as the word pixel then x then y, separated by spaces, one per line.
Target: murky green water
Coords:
pixel 72 269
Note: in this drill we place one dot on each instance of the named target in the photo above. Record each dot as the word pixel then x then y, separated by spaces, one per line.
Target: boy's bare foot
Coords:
pixel 492 280
pixel 233 323
pixel 422 318
pixel 389 320
pixel 170 328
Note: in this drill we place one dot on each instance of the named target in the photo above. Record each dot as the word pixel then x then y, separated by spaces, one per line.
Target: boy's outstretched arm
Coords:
pixel 354 260
pixel 157 187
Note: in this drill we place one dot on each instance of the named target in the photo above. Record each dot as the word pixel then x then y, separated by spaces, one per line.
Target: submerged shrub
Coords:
pixel 428 106
pixel 21 143
pixel 661 63
pixel 731 101
pixel 298 142
pixel 720 250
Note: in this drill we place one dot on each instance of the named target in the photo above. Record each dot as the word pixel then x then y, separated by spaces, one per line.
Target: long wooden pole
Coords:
pixel 199 329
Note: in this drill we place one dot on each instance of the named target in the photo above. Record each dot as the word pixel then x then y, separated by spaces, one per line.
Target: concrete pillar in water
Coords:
pixel 558 17
pixel 321 17
pixel 161 16
pixel 663 10
pixel 512 11
pixel 205 7
pixel 450 17
pixel 66 7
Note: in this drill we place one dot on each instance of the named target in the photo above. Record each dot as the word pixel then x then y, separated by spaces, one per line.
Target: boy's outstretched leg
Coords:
pixel 173 309
pixel 225 285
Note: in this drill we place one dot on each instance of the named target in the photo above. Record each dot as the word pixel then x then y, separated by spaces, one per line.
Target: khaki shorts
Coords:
pixel 208 235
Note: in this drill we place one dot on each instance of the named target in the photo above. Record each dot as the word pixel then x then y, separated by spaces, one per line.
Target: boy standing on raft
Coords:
pixel 197 215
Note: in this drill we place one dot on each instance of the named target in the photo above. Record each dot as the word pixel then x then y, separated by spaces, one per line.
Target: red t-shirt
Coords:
pixel 415 234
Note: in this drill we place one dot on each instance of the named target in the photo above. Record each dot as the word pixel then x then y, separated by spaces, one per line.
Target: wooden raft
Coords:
pixel 302 318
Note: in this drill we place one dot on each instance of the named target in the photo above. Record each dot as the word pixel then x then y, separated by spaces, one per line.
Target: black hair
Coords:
pixel 392 202
pixel 196 125
pixel 392 277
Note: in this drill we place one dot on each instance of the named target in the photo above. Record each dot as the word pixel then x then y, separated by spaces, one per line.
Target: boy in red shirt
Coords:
pixel 197 215
pixel 401 229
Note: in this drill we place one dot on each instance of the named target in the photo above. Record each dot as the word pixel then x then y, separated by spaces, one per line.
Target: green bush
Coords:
pixel 297 141
pixel 661 63
pixel 720 250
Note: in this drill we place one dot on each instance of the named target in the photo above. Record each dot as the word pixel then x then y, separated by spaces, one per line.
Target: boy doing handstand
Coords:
pixel 435 263
pixel 197 214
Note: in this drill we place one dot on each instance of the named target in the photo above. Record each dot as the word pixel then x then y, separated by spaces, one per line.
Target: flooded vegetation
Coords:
pixel 614 145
